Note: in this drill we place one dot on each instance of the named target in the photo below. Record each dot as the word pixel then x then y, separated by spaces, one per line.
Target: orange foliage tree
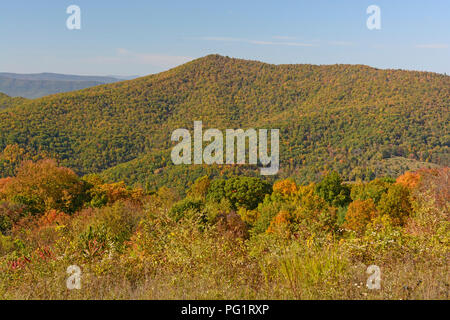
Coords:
pixel 409 179
pixel 286 188
pixel 280 222
pixel 359 214
pixel 102 194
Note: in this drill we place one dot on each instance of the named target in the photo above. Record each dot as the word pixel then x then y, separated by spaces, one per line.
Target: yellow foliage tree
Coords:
pixel 42 186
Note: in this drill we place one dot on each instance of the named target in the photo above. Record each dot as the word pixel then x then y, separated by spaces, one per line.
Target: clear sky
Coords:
pixel 138 37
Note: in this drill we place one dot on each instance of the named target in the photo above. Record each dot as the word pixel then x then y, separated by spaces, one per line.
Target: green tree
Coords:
pixel 372 190
pixel 396 204
pixel 245 192
pixel 333 191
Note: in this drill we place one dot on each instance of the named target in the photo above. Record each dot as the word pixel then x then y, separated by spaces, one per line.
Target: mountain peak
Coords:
pixel 378 112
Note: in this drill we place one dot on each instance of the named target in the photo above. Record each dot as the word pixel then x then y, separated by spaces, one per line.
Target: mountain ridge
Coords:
pixel 324 113
pixel 42 84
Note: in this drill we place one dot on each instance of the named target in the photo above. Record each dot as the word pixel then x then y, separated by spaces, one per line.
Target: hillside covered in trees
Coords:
pixel 360 121
pixel 86 180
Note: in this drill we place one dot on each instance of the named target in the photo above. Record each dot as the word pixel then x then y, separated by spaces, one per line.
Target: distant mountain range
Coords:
pixel 43 84
pixel 360 121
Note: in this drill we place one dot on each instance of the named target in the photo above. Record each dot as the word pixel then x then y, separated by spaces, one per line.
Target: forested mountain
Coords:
pixel 351 118
pixel 42 84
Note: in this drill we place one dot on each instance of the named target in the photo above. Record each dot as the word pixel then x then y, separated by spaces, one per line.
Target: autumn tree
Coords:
pixel 409 179
pixel 286 188
pixel 359 214
pixel 101 193
pixel 43 185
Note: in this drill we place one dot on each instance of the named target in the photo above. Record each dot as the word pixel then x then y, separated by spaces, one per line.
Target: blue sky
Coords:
pixel 138 37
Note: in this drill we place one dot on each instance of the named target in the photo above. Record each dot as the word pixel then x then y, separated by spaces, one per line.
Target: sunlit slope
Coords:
pixel 339 116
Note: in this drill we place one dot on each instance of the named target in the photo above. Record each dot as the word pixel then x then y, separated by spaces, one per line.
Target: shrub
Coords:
pixel 231 225
pixel 120 220
pixel 214 209
pixel 53 217
pixel 179 209
pixel 199 188
pixel 409 179
pixel 280 222
pixel 7 245
pixel 248 216
pixel 314 215
pixel 10 213
pixel 103 194
pixel 430 203
pixel 94 241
